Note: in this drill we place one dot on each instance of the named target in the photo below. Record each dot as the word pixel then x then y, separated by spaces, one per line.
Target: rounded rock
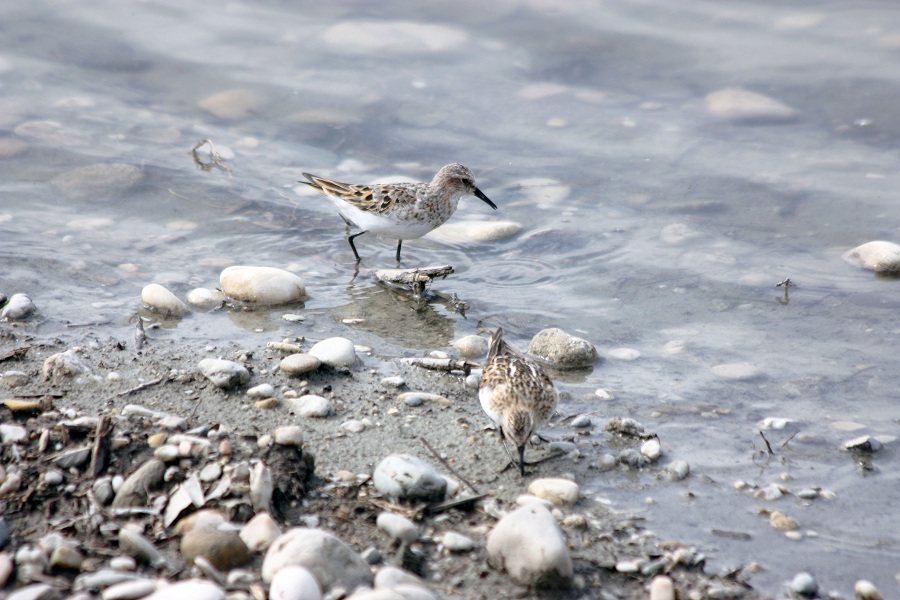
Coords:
pixel 471 346
pixel 736 371
pixel 206 299
pixel 866 590
pixel 457 542
pixel 224 374
pixel 563 350
pixel 335 352
pixel 18 308
pixel 651 449
pixel 234 104
pixel 530 546
pixel 878 256
pixel 294 583
pixel 191 589
pixel 311 406
pixel 406 477
pixel 159 299
pixel 260 532
pixel 662 588
pixel 299 363
pixel 743 105
pixel 398 527
pixel 804 584
pixel 223 548
pixel 289 435
pixel 263 390
pixel 678 470
pixel 261 285
pixel 98 180
pixel 558 491
pixel 333 562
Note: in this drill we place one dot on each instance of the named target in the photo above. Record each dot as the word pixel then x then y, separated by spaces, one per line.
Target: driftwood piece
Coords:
pixel 443 364
pixel 416 278
pixel 100 452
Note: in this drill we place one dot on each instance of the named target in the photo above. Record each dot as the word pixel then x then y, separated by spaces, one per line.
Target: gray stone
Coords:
pixel 398 527
pixel 261 285
pixel 332 561
pixel 299 363
pixel 804 584
pixel 408 478
pixel 18 308
pixel 224 374
pixel 311 406
pixel 563 350
pixel 335 352
pixel 294 583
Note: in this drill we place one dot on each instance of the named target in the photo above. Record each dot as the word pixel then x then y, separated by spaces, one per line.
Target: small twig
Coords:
pixel 215 160
pixel 790 437
pixel 446 464
pixel 443 364
pixel 768 445
pixel 101 449
pixel 138 388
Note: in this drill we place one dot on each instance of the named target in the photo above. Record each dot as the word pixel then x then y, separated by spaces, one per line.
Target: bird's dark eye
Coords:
pixel 467 181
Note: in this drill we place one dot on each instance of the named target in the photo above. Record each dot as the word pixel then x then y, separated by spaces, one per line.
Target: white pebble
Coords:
pixel 406 477
pixel 736 371
pixel 259 532
pixel 556 490
pixel 289 435
pixel 159 299
pixel 651 449
pixel 529 545
pixel 17 308
pixel 866 590
pixel 311 406
pixel 263 390
pixel 294 582
pixel 878 256
pixel 332 560
pixel 353 426
pixel 398 527
pixel 261 285
pixel 205 299
pixel 394 381
pixel 457 542
pixel 335 352
pixel 624 353
pixel 224 374
pixel 678 470
pixel 743 105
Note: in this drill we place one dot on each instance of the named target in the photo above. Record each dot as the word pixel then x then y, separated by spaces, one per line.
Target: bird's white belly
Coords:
pixel 386 225
pixel 485 397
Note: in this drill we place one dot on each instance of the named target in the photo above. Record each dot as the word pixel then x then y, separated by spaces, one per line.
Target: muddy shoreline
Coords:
pixel 613 556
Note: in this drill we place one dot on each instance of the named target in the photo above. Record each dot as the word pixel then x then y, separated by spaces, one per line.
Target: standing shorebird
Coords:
pixel 517 394
pixel 403 211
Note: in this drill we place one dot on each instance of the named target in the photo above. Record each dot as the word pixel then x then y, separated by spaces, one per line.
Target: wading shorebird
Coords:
pixel 402 211
pixel 517 394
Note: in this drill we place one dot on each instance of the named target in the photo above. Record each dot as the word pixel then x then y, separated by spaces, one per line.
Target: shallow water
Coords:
pixel 648 222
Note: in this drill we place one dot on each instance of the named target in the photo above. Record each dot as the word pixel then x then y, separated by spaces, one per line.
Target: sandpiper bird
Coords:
pixel 517 394
pixel 404 211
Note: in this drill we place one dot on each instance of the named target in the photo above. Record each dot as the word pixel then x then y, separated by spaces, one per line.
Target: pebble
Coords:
pixel 558 491
pixel 353 426
pixel 406 477
pixel 289 435
pixel 738 104
pixel 878 256
pixel 206 299
pixel 393 381
pixel 208 517
pixel 529 545
pixel 866 590
pixel 651 449
pixel 299 363
pixel 234 104
pixel 261 487
pixel 770 493
pixel 261 285
pixel 607 462
pixel 678 233
pixel 224 374
pixel 781 521
pixel 625 426
pixel 134 544
pixel 263 390
pixel 662 588
pixel 471 346
pixel 335 352
pixel 804 584
pixel 103 180
pixel 130 590
pixel 191 589
pixel 294 583
pixel 35 591
pixel 12 434
pixel 18 308
pixel 66 557
pixel 223 548
pixel 774 423
pixel 457 542
pixel 64 364
pixel 633 459
pixel 581 421
pixel 390 577
pixel 736 371
pixel 420 398
pixel 260 532
pixel 137 486
pixel 865 443
pixel 563 350
pixel 159 299
pixel 14 379
pixel 311 406
pixel 678 470
pixel 624 353
pixel 476 231
pixel 123 563
pixel 333 561
pixel 398 527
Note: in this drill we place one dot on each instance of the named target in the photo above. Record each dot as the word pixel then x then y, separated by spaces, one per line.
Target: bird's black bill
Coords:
pixel 480 195
pixel 522 460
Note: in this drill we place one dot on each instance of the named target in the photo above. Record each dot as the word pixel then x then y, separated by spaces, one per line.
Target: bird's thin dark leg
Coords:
pixel 512 461
pixel 399 243
pixel 352 245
